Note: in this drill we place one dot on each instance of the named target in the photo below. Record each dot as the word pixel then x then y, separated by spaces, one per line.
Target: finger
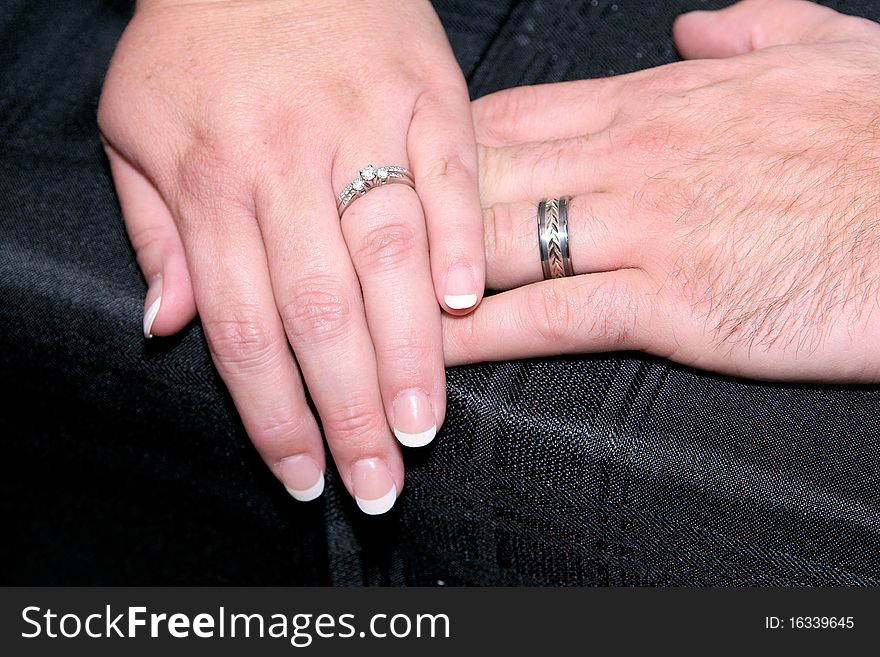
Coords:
pixel 248 344
pixel 601 231
pixel 582 314
pixel 755 24
pixel 317 292
pixel 443 154
pixel 169 304
pixel 525 172
pixel 385 233
pixel 548 111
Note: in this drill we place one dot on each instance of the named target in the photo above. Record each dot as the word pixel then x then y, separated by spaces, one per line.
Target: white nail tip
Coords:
pixel 416 439
pixel 380 505
pixel 150 316
pixel 460 301
pixel 310 493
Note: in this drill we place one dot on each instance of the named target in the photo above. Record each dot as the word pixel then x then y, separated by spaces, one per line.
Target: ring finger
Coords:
pixel 601 232
pixel 387 239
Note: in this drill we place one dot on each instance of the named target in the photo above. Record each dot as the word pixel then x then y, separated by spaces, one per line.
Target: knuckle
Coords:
pixel 667 202
pixel 151 237
pixel 318 312
pixel 280 430
pixel 659 142
pixel 612 309
pixel 549 312
pixel 677 78
pixel 242 342
pixel 616 312
pixel 451 169
pixel 462 335
pixel 356 424
pixel 408 355
pixel 502 111
pixel 211 170
pixel 386 247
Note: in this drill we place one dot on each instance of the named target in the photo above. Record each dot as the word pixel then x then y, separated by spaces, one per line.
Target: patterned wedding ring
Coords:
pixel 553 237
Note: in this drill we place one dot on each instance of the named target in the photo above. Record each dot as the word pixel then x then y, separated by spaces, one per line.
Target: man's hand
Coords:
pixel 725 211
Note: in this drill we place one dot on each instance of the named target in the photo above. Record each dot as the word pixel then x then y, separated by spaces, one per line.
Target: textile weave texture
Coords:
pixel 123 461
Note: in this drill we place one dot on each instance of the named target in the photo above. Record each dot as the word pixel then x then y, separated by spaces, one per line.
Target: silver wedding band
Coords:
pixel 553 238
pixel 369 178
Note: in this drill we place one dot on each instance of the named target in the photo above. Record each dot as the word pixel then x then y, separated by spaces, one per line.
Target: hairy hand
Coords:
pixel 725 211
pixel 230 125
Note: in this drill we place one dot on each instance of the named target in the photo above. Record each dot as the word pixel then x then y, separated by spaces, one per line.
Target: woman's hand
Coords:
pixel 725 211
pixel 230 126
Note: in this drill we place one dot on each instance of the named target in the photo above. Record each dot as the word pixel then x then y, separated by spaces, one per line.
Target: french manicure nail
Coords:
pixel 152 307
pixel 461 292
pixel 301 477
pixel 414 423
pixel 374 489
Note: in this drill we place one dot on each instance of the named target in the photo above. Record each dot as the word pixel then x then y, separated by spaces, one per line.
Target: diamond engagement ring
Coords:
pixel 368 178
pixel 553 238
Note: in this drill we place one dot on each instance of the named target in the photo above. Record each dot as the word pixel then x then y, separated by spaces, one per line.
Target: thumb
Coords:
pixel 169 304
pixel 754 24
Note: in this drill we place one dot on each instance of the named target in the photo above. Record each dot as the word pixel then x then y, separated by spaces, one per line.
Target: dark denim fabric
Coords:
pixel 123 461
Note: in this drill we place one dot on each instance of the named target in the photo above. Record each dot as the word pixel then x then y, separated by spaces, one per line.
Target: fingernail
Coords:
pixel 374 489
pixel 414 423
pixel 301 477
pixel 152 306
pixel 461 291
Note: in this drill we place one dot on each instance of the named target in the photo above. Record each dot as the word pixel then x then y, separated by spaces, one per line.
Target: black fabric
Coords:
pixel 123 462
